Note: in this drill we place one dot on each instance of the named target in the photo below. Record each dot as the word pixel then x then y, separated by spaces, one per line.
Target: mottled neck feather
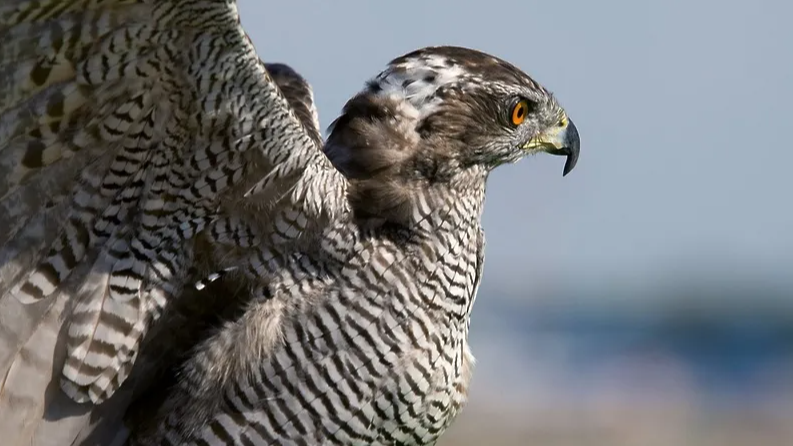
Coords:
pixel 396 174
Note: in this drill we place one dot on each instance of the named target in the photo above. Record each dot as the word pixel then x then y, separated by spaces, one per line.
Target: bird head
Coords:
pixel 441 113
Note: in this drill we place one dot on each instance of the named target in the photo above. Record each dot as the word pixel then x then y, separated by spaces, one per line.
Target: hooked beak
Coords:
pixel 561 139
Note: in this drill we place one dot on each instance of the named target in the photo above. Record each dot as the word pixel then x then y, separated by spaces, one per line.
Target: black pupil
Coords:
pixel 521 110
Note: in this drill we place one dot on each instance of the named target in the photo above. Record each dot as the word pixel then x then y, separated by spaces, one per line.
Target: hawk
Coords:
pixel 184 260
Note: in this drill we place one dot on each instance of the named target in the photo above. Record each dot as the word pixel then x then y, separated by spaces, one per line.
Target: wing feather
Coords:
pixel 300 95
pixel 127 128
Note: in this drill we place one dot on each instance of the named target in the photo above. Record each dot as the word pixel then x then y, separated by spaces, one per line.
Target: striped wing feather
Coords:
pixel 127 128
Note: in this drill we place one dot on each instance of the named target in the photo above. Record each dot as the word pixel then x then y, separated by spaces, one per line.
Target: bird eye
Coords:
pixel 519 112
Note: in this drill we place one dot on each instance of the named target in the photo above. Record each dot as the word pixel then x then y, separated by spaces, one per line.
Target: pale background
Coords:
pixel 647 298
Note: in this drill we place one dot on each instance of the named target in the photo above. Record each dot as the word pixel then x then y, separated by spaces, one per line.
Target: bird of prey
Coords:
pixel 184 260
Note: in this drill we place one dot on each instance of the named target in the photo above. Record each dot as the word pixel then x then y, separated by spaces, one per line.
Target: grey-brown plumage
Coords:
pixel 145 147
pixel 300 96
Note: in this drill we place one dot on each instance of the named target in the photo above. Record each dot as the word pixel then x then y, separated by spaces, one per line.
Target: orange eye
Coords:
pixel 519 112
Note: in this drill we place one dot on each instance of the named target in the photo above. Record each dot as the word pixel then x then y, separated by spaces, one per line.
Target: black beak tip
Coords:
pixel 572 147
pixel 568 165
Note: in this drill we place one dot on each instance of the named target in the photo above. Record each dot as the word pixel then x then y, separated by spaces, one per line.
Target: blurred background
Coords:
pixel 647 298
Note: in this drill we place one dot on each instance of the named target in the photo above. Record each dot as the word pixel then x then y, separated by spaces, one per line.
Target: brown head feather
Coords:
pixel 437 118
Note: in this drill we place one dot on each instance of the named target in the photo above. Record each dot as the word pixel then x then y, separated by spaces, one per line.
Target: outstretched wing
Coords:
pixel 127 127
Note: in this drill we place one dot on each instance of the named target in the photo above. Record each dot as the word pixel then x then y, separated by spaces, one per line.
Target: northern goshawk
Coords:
pixel 168 204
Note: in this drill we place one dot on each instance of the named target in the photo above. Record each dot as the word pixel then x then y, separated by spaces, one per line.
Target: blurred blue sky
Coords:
pixel 683 109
